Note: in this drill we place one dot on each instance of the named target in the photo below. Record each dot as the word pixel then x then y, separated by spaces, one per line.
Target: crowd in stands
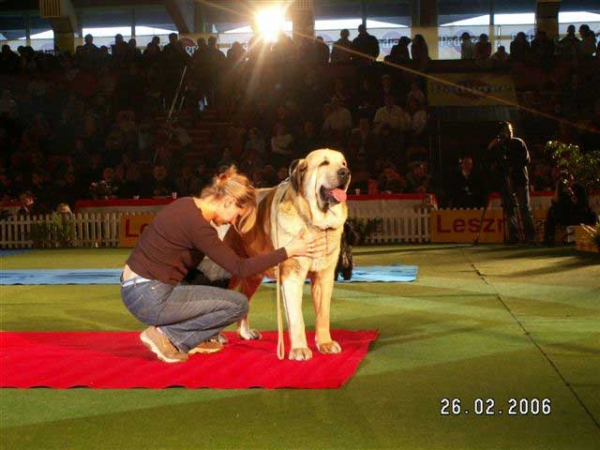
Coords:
pixel 92 124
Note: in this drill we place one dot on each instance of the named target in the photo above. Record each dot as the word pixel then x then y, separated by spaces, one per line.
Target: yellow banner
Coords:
pixel 462 225
pixel 471 89
pixel 132 227
pixel 584 240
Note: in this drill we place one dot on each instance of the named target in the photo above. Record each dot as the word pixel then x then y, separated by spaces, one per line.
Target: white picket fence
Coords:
pixel 76 230
pixel 403 225
pixel 401 221
pixel 102 229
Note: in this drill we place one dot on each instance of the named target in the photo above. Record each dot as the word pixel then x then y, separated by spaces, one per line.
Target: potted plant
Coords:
pixel 583 165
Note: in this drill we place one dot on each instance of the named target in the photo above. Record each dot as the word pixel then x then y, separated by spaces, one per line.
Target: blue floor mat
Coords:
pixel 388 274
pixel 393 273
pixel 60 276
pixel 12 252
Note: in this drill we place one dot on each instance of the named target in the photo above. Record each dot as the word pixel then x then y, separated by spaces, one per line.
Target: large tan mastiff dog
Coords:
pixel 313 199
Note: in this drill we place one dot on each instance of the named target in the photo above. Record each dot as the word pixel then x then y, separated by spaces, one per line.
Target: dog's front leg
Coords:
pixel 321 292
pixel 292 286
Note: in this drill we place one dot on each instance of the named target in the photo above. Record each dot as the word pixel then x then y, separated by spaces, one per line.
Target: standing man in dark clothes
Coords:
pixel 174 59
pixel 365 44
pixel 520 47
pixel 91 58
pixel 216 61
pixel 321 50
pixel 342 48
pixel 508 160
pixel 119 50
pixel 9 60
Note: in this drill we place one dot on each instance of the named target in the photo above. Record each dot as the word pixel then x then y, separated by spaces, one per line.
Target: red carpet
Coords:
pixel 118 360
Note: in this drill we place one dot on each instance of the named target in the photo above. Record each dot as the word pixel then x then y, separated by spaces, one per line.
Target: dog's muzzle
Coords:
pixel 344 175
pixel 337 194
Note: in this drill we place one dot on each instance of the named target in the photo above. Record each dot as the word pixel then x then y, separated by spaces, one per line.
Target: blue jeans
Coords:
pixel 187 314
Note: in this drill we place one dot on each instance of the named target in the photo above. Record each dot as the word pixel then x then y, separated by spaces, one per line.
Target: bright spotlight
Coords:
pixel 269 22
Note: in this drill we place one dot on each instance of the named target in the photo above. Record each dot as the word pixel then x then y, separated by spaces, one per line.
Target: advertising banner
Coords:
pixel 462 225
pixel 584 239
pixel 132 227
pixel 471 89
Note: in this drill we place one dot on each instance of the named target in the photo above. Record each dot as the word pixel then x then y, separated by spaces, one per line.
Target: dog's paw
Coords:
pixel 220 338
pixel 300 354
pixel 250 335
pixel 330 348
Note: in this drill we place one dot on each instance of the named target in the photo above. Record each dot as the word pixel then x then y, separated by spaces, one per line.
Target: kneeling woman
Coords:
pixel 184 318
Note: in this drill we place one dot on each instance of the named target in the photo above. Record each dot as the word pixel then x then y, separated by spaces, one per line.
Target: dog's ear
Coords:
pixel 297 171
pixel 293 166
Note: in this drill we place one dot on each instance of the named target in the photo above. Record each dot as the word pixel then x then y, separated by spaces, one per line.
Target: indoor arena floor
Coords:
pixel 492 347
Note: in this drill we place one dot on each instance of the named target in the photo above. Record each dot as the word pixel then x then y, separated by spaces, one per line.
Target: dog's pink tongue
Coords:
pixel 339 195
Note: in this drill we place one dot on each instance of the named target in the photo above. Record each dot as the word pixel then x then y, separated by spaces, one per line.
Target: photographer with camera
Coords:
pixel 508 160
pixel 570 206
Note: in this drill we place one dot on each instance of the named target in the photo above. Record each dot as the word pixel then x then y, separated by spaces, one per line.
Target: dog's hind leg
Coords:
pixel 249 288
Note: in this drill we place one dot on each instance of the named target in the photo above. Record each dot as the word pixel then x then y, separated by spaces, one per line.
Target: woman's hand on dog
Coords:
pixel 305 244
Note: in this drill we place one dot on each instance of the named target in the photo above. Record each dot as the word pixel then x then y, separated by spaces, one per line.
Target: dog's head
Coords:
pixel 322 177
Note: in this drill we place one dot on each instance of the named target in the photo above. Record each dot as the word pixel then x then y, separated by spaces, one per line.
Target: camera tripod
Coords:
pixel 177 101
pixel 510 209
pixel 476 241
pixel 179 96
